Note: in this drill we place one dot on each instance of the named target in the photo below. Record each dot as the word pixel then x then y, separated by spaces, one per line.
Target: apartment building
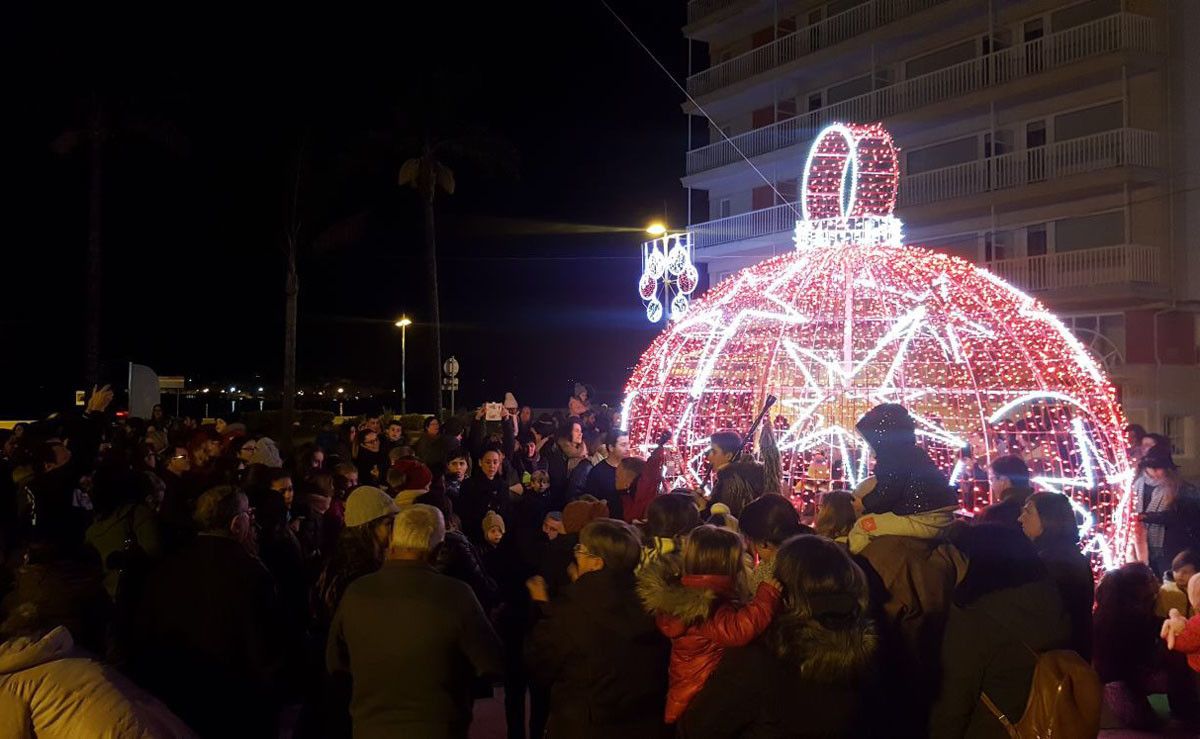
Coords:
pixel 1047 139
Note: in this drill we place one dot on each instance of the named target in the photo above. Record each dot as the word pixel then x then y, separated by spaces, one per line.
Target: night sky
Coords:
pixel 209 112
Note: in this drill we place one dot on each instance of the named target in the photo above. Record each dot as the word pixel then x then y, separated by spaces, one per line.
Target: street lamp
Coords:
pixel 403 325
pixel 656 229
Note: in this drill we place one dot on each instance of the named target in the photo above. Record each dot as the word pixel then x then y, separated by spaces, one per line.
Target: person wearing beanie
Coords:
pixel 266 452
pixel 719 515
pixel 910 496
pixel 580 513
pixel 493 528
pixel 408 479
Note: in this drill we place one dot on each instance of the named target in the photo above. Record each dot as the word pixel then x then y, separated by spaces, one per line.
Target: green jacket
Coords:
pixel 107 535
pixel 413 641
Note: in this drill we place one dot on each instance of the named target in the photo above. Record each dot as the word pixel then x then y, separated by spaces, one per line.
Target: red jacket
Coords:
pixel 697 646
pixel 637 499
pixel 1188 642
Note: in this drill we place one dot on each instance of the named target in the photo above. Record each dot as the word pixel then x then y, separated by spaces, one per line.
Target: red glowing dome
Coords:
pixel 853 319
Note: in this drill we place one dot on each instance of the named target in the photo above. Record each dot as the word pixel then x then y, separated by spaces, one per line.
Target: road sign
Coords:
pixel 449 383
pixel 451 367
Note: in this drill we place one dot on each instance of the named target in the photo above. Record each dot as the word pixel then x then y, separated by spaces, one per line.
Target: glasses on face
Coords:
pixel 582 551
pixel 179 457
pixel 286 489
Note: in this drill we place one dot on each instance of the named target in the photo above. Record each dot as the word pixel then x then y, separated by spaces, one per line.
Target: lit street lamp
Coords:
pixel 403 325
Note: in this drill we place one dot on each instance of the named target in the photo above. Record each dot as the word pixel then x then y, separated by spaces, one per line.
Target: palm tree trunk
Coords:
pixel 434 310
pixel 91 351
pixel 291 292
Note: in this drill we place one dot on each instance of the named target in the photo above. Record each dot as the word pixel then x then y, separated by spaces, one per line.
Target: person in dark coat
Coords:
pixel 567 465
pixel 602 479
pixel 1171 515
pixel 209 626
pixel 1049 522
pixel 414 641
pixel 485 490
pixel 597 648
pixel 1010 489
pixel 432 448
pixel 815 667
pixel 1005 606
pixel 907 480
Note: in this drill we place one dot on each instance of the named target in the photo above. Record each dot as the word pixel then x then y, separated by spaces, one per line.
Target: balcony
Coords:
pixel 1124 147
pixel 1119 32
pixel 1127 264
pixel 699 9
pixel 1119 148
pixel 829 32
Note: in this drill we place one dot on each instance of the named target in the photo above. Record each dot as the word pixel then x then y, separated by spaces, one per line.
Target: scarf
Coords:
pixel 573 453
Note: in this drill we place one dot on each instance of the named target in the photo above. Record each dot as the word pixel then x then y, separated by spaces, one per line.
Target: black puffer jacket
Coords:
pixel 907 480
pixel 604 660
pixel 458 558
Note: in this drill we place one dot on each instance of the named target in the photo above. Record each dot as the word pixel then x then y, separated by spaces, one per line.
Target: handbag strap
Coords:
pixel 1004 721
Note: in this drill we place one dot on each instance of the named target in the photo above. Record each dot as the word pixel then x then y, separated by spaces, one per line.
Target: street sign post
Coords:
pixel 450 381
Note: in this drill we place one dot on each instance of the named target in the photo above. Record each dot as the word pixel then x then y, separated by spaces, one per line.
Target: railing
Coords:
pixel 698 9
pixel 1109 265
pixel 1121 147
pixel 801 42
pixel 763 222
pixel 1106 35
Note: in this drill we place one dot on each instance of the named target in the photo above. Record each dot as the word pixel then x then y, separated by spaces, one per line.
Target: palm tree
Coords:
pixel 436 136
pixel 426 174
pixel 100 122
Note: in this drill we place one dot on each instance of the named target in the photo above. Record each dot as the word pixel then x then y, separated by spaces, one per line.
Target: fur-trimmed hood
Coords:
pixel 664 589
pixel 826 655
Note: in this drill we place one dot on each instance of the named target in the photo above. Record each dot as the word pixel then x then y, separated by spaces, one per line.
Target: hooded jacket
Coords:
pixel 908 481
pixel 986 649
pixel 48 690
pixel 603 658
pixel 701 616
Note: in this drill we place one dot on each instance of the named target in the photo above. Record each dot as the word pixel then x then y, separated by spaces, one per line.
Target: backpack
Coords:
pixel 1064 699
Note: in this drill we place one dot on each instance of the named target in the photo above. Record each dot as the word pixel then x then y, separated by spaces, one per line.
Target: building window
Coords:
pixel 997 246
pixel 1175 429
pixel 1079 123
pixel 725 208
pixel 940 59
pixel 1089 232
pixel 814 101
pixel 964 246
pixel 1077 15
pixel 942 155
pixel 786 191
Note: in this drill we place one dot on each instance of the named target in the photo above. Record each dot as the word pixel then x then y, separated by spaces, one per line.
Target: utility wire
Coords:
pixel 699 107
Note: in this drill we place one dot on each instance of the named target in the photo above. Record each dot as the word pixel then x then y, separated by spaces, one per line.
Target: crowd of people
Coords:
pixel 166 578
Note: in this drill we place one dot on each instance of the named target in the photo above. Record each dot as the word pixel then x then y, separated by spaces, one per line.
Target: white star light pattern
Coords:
pixel 840 326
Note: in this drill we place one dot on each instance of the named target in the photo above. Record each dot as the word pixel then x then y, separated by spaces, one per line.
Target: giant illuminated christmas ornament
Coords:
pixel 854 318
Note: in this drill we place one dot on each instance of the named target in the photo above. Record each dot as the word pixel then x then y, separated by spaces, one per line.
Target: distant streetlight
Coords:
pixel 341 390
pixel 656 229
pixel 403 325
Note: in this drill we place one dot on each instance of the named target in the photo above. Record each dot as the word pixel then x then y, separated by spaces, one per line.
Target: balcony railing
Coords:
pixel 1122 31
pixel 698 9
pixel 763 222
pixel 1121 147
pixel 821 35
pixel 1109 265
